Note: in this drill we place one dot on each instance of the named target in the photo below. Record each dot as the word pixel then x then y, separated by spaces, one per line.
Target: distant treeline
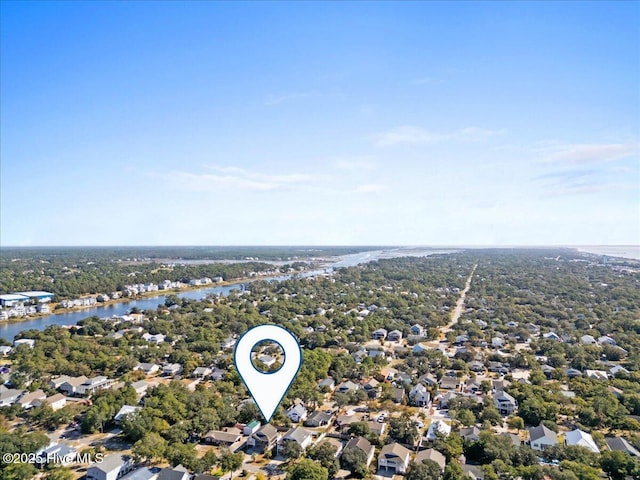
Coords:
pixel 80 254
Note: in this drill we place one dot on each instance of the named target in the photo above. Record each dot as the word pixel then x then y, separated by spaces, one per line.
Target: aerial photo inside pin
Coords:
pixel 268 388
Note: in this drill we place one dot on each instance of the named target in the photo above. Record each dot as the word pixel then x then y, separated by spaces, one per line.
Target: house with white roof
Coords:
pixel 438 427
pixel 297 413
pixel 582 439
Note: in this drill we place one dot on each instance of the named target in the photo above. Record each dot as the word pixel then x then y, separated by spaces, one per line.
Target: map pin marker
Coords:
pixel 267 389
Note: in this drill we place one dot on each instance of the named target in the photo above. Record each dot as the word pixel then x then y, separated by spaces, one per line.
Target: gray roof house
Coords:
pixel 112 467
pixel 541 437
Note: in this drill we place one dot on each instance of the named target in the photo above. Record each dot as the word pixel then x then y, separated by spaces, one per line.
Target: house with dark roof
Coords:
pixel 619 444
pixel 363 444
pixel 318 418
pixel 505 403
pixel 541 437
pixel 265 438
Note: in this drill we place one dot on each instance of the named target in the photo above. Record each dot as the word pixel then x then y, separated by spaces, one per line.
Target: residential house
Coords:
pixel 433 455
pixel 403 378
pixel 541 437
pixel 69 385
pixel 56 402
pixel 265 438
pixel 588 340
pixel 348 386
pixel 436 427
pixel 148 368
pixel 142 473
pixel 217 374
pixel 580 438
pixel 362 444
pixel 372 387
pixel 417 330
pixel 379 334
pixel 619 444
pixel 377 353
pixel 613 371
pixel 24 341
pixel 450 383
pixel 251 428
pixel 474 472
pixel 344 421
pixel 297 434
pixel 27 400
pixel 124 411
pixel 394 456
pixel 337 444
pixel 394 336
pixel 360 355
pixel 141 387
pixel 172 369
pixel 9 396
pixel 552 336
pixel 596 374
pixel 92 385
pixel 226 436
pixel 606 340
pixel 505 403
pixel 318 418
pixel 157 338
pixel 201 372
pixel 297 413
pixel 470 433
pixel 175 473
pixel 327 384
pixel 420 396
pixel 398 395
pixel 57 453
pixel 5 350
pixel 111 467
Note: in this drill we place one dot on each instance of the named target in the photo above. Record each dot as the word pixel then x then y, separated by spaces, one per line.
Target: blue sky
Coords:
pixel 417 123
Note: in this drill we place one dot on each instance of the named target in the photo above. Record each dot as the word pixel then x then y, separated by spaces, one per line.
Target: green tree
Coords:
pixel 354 460
pixel 307 469
pixel 427 470
pixel 325 453
pixel 453 471
pixel 517 423
pixel 359 429
pixel 151 447
pixel 291 450
pixel 466 417
pixel 230 462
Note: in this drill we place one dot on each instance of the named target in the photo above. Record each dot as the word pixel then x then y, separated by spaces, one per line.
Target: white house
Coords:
pixel 125 410
pixel 111 467
pixel 580 438
pixel 297 413
pixel 541 437
pixel 394 457
pixel 297 434
pixel 420 396
pixel 24 341
pixel 438 427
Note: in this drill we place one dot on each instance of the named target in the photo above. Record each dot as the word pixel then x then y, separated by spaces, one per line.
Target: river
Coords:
pixel 9 330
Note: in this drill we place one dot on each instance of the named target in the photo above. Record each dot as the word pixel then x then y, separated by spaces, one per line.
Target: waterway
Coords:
pixel 9 330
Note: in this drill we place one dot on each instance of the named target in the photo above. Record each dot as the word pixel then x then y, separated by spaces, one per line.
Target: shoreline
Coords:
pixel 142 296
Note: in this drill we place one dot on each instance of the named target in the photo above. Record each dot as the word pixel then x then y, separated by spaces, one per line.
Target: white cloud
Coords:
pixel 412 135
pixel 355 163
pixel 370 188
pixel 585 153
